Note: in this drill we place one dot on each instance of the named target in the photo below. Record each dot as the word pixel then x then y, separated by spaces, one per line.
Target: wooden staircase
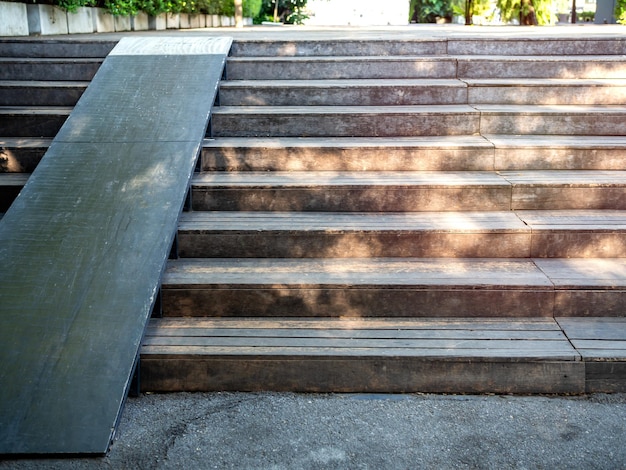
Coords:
pixel 433 215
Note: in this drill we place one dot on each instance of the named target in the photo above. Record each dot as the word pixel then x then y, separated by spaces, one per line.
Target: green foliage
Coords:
pixel 73 5
pixel 620 11
pixel 122 7
pixel 287 11
pixel 511 9
pixel 427 11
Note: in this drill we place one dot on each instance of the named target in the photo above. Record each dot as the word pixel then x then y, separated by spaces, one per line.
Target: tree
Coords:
pixel 285 11
pixel 526 11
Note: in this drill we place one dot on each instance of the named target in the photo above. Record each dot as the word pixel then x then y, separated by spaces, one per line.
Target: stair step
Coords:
pixel 546 91
pixel 360 355
pixel 562 45
pixel 10 186
pixel 74 69
pixel 40 93
pixel 567 189
pixel 334 67
pixel 445 153
pixel 598 234
pixel 394 287
pixel 558 152
pixel 57 48
pixel 409 191
pixel 350 191
pixel 21 155
pixel 370 92
pixel 352 235
pixel 422 153
pixel 343 121
pixel 538 66
pixel 337 46
pixel 555 119
pixel 41 121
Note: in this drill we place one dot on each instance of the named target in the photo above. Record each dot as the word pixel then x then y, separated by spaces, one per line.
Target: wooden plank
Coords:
pixel 591 273
pixel 611 329
pixel 84 245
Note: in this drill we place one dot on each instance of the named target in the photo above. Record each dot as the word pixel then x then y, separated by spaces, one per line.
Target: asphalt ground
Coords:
pixel 360 431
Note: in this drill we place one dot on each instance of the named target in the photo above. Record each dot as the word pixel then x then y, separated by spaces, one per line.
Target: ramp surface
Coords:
pixel 83 247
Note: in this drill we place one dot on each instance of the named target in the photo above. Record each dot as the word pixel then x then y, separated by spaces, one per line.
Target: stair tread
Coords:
pixel 556 141
pixel 550 108
pixel 534 82
pixel 466 222
pixel 476 338
pixel 405 109
pixel 410 178
pixel 540 274
pixel 43 83
pixel 342 83
pixel 13 179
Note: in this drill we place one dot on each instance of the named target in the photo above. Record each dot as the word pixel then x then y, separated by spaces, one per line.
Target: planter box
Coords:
pixel 122 23
pixel 196 21
pixel 225 21
pixel 184 21
pixel 80 21
pixel 13 19
pixel 157 23
pixel 139 22
pixel 46 19
pixel 103 21
pixel 173 21
pixel 215 21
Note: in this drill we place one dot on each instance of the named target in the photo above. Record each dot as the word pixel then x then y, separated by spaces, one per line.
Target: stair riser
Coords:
pixel 55 49
pixel 68 71
pixel 350 301
pixel 40 96
pixel 537 47
pixel 163 373
pixel 320 69
pixel 343 96
pixel 285 158
pixel 560 159
pixel 522 67
pixel 7 196
pixel 609 123
pixel 29 125
pixel 427 244
pixel 559 95
pixel 343 125
pixel 289 48
pixel 373 199
pixel 20 160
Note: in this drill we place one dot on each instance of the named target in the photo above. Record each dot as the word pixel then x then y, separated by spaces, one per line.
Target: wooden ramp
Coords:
pixel 84 245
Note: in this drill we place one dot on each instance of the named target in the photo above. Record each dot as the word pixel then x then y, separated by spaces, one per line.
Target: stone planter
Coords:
pixel 80 21
pixel 157 23
pixel 139 22
pixel 215 21
pixel 184 21
pixel 13 19
pixel 173 21
pixel 103 21
pixel 46 19
pixel 196 21
pixel 122 23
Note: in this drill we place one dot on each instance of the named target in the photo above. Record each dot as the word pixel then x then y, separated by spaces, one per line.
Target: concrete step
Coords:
pixel 428 153
pixel 40 121
pixel 572 67
pixel 383 287
pixel 419 120
pixel 409 191
pixel 552 119
pixel 73 69
pixel 330 45
pixel 350 191
pixel 40 93
pixel 576 66
pixel 546 91
pixel 21 155
pixel 360 355
pixel 343 121
pixel 341 67
pixel 56 48
pixel 362 92
pixel 523 234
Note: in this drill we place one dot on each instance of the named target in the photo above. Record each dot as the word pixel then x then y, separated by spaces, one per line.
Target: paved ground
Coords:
pixel 303 431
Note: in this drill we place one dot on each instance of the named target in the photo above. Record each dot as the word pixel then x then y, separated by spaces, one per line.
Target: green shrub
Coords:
pixel 620 11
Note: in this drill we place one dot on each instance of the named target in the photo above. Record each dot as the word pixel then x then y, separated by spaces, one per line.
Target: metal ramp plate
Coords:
pixel 83 246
